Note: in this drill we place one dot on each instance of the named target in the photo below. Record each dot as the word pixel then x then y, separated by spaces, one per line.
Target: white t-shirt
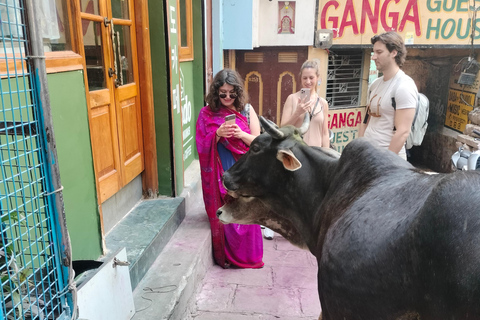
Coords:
pixel 380 129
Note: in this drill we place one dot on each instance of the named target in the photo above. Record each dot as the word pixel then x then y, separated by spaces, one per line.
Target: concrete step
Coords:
pixel 149 226
pixel 169 288
pixel 144 232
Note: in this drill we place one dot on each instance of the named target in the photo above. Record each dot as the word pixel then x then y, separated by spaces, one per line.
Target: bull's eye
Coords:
pixel 255 148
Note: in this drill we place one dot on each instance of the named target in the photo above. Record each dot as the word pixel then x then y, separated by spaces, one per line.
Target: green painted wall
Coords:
pixel 72 135
pixel 161 83
pixel 198 66
pixel 192 78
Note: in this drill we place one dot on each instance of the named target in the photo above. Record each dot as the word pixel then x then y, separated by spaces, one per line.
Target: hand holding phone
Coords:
pixel 305 94
pixel 230 119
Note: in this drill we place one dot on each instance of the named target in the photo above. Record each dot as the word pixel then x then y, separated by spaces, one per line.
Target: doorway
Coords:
pixel 111 80
pixel 270 74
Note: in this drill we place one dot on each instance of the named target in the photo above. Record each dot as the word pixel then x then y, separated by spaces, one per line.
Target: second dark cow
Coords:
pixel 391 241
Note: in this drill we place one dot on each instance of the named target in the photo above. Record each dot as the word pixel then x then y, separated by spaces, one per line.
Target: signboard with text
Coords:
pixel 426 22
pixel 175 94
pixel 188 121
pixel 345 124
pixel 459 105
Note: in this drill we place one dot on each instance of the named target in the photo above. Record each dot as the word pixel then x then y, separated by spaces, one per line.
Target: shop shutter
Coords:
pixel 344 78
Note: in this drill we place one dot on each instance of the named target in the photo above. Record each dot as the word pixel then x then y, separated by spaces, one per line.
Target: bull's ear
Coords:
pixel 290 162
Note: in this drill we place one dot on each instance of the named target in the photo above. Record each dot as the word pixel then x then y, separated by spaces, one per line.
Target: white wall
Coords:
pixel 268 23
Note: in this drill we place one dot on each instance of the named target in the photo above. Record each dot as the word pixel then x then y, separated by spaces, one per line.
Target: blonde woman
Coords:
pixel 317 107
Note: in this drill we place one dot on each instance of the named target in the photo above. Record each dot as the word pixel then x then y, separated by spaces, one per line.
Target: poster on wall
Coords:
pixel 345 124
pixel 286 17
pixel 175 93
pixel 188 123
pixel 459 105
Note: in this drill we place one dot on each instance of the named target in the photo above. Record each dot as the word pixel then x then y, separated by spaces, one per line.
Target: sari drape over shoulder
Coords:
pixel 245 247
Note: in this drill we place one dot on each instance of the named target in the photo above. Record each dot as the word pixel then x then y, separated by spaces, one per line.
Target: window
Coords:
pixel 55 25
pixel 186 31
pixel 344 78
pixel 12 26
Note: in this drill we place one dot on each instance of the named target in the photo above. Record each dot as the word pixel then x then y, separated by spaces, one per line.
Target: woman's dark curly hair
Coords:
pixel 393 41
pixel 232 78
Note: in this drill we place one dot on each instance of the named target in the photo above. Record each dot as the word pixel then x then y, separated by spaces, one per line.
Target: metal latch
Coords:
pixel 111 72
pixel 120 263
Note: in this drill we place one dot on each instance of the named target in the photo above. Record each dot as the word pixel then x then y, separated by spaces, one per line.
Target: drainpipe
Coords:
pixel 39 77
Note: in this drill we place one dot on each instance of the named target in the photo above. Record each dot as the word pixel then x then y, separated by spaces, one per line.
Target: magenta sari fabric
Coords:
pixel 233 244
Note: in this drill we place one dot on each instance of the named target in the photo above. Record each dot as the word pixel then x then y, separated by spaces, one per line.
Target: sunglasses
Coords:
pixel 224 95
pixel 369 110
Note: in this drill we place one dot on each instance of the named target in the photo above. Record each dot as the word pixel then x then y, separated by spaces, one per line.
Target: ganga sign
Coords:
pixel 344 124
pixel 425 22
pixel 459 105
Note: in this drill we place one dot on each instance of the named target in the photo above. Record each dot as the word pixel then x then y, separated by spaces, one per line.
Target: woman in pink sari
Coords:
pixel 219 146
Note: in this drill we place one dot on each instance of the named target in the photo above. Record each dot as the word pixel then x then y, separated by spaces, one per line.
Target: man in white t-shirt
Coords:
pixel 386 126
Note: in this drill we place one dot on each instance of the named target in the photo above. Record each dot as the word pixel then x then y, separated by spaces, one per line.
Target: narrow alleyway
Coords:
pixel 285 288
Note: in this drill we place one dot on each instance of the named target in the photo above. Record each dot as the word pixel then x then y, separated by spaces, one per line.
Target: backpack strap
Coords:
pixel 394 104
pixel 394 92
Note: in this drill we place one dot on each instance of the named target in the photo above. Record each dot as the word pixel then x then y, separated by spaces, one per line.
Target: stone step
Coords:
pixel 169 288
pixel 149 226
pixel 144 232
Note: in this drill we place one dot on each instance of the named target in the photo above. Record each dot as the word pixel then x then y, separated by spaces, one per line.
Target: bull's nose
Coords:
pixel 227 182
pixel 219 212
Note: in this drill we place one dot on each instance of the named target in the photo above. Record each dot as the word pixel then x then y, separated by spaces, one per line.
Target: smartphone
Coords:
pixel 305 93
pixel 230 119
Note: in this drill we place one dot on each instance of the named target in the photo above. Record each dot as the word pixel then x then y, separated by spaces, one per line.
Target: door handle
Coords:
pixel 116 52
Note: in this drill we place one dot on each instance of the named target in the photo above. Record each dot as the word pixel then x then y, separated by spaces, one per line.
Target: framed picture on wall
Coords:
pixel 286 17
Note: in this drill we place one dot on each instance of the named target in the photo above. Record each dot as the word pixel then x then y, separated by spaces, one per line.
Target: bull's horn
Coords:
pixel 272 123
pixel 306 123
pixel 271 128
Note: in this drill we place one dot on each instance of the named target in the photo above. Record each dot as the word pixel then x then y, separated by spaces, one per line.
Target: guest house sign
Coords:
pixel 421 22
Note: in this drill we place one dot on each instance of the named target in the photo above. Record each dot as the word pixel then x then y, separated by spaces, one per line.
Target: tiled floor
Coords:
pixel 285 288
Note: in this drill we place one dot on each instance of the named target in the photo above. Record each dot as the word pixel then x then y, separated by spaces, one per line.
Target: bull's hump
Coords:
pixel 361 153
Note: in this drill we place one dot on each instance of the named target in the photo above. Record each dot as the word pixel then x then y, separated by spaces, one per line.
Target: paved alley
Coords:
pixel 285 288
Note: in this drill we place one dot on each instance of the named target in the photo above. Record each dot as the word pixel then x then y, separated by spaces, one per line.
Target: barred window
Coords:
pixel 344 78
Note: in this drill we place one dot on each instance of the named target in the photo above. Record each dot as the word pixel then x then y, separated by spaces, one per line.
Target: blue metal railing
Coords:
pixel 31 280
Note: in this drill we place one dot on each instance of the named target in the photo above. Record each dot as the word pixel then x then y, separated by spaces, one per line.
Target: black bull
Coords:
pixel 391 242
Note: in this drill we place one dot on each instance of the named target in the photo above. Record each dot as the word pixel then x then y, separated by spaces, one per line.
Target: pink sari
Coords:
pixel 233 244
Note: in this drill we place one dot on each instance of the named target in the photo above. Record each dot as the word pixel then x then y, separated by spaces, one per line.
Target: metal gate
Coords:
pixel 31 273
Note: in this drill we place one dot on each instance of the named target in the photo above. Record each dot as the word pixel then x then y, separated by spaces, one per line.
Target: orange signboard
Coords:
pixel 459 105
pixel 421 22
